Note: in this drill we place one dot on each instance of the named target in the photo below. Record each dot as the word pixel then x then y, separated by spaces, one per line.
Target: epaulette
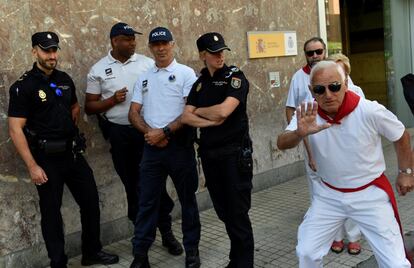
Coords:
pixel 23 76
pixel 232 70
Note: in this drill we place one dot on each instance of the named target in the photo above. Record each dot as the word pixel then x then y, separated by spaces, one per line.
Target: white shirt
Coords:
pixel 161 91
pixel 299 89
pixel 349 155
pixel 356 89
pixel 109 75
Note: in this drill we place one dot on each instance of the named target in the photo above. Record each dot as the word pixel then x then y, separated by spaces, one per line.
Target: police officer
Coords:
pixel 160 93
pixel 217 105
pixel 109 91
pixel 43 114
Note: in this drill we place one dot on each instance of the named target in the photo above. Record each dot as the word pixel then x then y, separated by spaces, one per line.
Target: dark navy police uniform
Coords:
pixel 225 152
pixel 45 101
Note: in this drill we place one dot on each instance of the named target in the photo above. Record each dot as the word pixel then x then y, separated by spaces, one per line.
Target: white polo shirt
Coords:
pixel 161 91
pixel 349 155
pixel 109 75
pixel 299 89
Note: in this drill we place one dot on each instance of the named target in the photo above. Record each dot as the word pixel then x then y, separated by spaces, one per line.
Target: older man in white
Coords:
pixel 345 136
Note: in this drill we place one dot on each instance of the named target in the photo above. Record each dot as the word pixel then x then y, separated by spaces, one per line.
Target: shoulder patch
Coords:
pixel 235 82
pixel 145 86
pixel 198 88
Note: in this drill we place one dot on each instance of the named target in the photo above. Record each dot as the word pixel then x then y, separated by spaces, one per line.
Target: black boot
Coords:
pixel 171 243
pixel 192 259
pixel 100 257
pixel 140 261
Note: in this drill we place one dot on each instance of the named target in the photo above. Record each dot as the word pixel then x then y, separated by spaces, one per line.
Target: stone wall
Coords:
pixel 83 27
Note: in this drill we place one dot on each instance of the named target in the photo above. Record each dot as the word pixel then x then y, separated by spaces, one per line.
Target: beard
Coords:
pixel 312 62
pixel 47 64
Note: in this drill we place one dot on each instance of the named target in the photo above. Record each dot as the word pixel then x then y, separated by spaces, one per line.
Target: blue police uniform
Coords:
pixel 225 152
pixel 45 101
pixel 162 93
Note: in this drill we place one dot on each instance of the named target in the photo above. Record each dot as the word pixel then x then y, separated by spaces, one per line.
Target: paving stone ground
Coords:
pixel 276 213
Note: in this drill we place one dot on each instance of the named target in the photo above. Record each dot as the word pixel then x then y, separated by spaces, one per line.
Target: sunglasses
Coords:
pixel 310 53
pixel 319 89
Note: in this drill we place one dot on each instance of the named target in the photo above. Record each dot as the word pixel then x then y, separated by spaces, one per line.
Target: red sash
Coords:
pixel 383 183
pixel 348 105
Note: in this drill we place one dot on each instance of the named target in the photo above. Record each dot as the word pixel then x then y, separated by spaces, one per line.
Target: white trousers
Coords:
pixel 349 228
pixel 370 209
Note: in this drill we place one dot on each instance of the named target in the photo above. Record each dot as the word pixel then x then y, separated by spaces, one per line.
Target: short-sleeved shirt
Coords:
pixel 349 155
pixel 299 89
pixel 162 93
pixel 211 90
pixel 109 75
pixel 45 101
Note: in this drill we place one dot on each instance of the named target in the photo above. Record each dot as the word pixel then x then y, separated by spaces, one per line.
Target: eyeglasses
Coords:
pixel 310 53
pixel 319 89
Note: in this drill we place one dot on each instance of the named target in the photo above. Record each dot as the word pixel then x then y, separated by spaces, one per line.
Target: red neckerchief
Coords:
pixel 349 104
pixel 306 69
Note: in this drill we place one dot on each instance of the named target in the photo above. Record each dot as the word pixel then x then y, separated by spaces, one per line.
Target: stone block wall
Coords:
pixel 83 28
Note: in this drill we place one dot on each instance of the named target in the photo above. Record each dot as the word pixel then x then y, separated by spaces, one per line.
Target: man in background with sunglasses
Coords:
pixel 43 116
pixel 344 132
pixel 315 51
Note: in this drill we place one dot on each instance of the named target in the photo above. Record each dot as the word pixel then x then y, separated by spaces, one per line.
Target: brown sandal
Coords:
pixel 337 246
pixel 354 248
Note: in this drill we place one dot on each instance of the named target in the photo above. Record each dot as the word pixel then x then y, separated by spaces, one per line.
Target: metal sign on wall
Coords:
pixel 264 44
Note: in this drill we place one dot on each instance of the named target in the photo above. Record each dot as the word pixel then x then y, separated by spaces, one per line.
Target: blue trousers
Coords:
pixel 157 163
pixel 230 190
pixel 127 144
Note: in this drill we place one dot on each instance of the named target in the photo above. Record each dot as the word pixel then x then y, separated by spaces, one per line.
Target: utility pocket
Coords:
pixel 53 146
pixel 245 160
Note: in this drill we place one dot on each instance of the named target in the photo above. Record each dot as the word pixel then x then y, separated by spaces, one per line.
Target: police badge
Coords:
pixel 235 82
pixel 42 95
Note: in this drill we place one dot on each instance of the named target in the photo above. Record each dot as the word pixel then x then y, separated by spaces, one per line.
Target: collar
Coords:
pixel 348 105
pixel 218 72
pixel 112 60
pixel 38 72
pixel 307 69
pixel 170 68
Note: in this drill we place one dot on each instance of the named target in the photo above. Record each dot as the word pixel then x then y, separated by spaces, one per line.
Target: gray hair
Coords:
pixel 326 64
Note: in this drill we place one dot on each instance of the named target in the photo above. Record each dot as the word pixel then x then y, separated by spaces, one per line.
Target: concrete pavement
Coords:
pixel 276 213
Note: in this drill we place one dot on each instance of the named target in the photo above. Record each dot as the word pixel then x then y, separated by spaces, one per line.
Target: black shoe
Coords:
pixel 192 259
pixel 140 261
pixel 171 243
pixel 100 258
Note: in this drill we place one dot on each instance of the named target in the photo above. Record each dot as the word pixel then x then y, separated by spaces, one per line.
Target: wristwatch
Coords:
pixel 167 131
pixel 408 171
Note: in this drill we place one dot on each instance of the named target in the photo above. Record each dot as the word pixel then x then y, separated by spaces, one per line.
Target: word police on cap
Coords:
pixel 158 34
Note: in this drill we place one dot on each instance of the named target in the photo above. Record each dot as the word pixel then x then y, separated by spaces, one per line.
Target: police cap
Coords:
pixel 45 40
pixel 122 28
pixel 212 42
pixel 160 34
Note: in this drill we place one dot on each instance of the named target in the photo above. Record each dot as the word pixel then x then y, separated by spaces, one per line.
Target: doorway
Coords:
pixel 361 37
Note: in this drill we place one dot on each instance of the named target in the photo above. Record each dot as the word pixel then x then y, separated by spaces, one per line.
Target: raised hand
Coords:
pixel 306 119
